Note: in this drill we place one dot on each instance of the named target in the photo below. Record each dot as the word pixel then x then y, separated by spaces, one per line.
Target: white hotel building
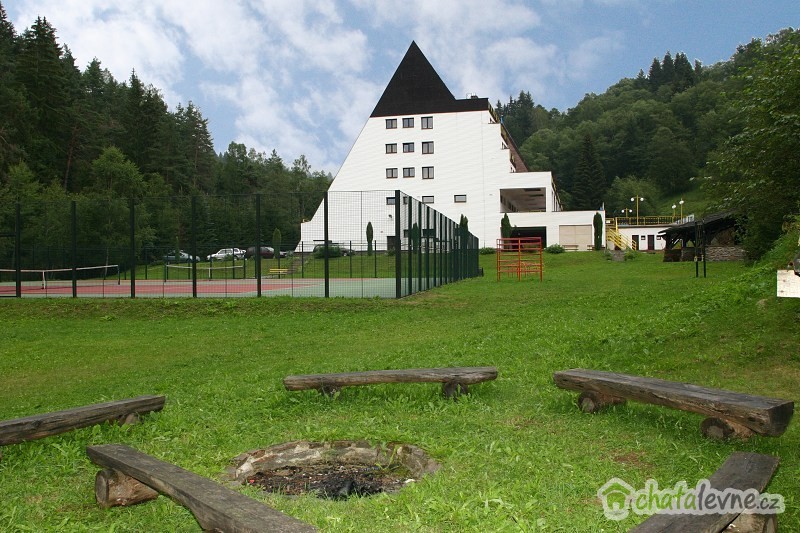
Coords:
pixel 452 154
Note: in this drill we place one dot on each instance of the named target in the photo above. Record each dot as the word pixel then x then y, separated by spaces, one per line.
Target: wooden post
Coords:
pixel 113 488
pixel 593 401
pixel 453 389
pixel 721 429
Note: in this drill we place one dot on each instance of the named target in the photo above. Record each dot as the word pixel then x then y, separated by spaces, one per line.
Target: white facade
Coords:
pixel 454 156
pixel 646 238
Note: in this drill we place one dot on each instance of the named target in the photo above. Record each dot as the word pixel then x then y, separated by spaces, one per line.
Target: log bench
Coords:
pixel 454 380
pixel 279 271
pixel 130 477
pixel 729 414
pixel 741 471
pixel 43 425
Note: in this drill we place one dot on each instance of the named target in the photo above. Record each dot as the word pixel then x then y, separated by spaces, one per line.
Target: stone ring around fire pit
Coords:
pixel 333 470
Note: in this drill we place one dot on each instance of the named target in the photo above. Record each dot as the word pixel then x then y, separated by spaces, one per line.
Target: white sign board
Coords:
pixel 788 284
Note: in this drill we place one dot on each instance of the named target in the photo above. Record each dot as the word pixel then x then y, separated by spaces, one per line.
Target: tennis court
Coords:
pixel 167 247
pixel 116 288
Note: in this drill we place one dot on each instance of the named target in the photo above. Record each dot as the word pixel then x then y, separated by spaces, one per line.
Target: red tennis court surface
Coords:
pixel 358 288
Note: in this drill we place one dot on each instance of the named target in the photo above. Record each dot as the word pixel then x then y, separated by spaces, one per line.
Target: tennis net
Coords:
pixel 48 277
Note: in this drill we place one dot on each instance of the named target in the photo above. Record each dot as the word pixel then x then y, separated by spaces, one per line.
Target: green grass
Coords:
pixel 516 454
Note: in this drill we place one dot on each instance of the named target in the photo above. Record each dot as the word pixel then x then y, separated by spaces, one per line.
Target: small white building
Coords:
pixel 454 155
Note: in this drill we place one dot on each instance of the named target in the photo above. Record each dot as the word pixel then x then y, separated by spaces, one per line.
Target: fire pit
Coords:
pixel 334 470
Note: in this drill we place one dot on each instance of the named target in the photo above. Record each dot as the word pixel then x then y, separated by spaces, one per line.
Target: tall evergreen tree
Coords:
pixel 667 69
pixel 655 75
pixel 40 71
pixel 684 74
pixel 14 113
pixel 590 183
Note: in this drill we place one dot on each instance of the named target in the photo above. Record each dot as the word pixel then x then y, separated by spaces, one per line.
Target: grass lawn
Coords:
pixel 516 454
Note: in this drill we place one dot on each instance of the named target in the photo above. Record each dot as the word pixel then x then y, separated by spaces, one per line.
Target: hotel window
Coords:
pixel 460 198
pixel 408 148
pixel 427 173
pixel 391 148
pixel 427 147
pixel 391 123
pixel 427 199
pixel 426 123
pixel 390 200
pixel 408 172
pixel 408 122
pixel 391 172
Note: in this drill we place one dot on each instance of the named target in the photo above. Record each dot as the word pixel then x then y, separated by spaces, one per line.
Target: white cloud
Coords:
pixel 224 36
pixel 591 54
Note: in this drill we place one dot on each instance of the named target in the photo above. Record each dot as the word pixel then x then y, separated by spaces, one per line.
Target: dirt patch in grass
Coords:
pixel 632 458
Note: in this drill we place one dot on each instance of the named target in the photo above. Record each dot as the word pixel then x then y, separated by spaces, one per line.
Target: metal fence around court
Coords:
pixel 169 247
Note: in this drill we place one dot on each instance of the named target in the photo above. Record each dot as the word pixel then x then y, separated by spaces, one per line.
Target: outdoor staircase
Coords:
pixel 620 240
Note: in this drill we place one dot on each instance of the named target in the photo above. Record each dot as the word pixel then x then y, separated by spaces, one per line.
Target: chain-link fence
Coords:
pixel 361 244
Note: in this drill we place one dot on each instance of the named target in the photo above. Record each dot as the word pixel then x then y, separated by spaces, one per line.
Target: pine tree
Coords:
pixel 590 183
pixel 654 75
pixel 667 69
pixel 684 74
pixel 40 71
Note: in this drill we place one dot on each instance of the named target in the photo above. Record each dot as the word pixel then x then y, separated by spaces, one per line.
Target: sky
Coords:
pixel 302 76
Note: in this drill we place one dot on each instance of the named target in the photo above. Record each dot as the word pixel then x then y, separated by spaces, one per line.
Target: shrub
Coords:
pixel 333 251
pixel 554 249
pixel 631 254
pixel 486 250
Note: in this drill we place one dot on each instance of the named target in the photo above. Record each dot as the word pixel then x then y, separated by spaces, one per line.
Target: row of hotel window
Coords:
pixel 457 198
pixel 410 172
pixel 408 148
pixel 408 122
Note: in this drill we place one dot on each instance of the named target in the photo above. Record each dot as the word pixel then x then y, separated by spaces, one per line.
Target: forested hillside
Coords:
pixel 67 132
pixel 726 132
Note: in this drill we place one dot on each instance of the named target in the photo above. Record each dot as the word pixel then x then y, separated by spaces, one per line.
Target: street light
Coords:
pixel 637 199
pixel 681 202
pixel 673 212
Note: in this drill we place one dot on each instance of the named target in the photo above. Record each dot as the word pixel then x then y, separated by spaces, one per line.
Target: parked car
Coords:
pixel 227 253
pixel 182 257
pixel 334 250
pixel 267 252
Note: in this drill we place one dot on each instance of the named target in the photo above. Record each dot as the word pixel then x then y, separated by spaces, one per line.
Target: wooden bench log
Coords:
pixel 454 380
pixel 730 413
pixel 741 471
pixel 216 507
pixel 43 425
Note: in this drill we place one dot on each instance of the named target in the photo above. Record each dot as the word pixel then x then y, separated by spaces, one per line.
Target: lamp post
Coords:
pixel 681 203
pixel 637 199
pixel 673 212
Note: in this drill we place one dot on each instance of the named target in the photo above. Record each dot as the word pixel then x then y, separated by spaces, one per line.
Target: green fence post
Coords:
pixel 325 247
pixel 74 237
pixel 18 249
pixel 194 246
pixel 132 209
pixel 258 246
pixel 398 261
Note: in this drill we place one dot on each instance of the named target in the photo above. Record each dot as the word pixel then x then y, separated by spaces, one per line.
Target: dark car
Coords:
pixel 182 257
pixel 334 250
pixel 267 252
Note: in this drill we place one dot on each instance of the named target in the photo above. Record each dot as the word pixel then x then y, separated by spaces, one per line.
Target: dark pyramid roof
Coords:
pixel 416 88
